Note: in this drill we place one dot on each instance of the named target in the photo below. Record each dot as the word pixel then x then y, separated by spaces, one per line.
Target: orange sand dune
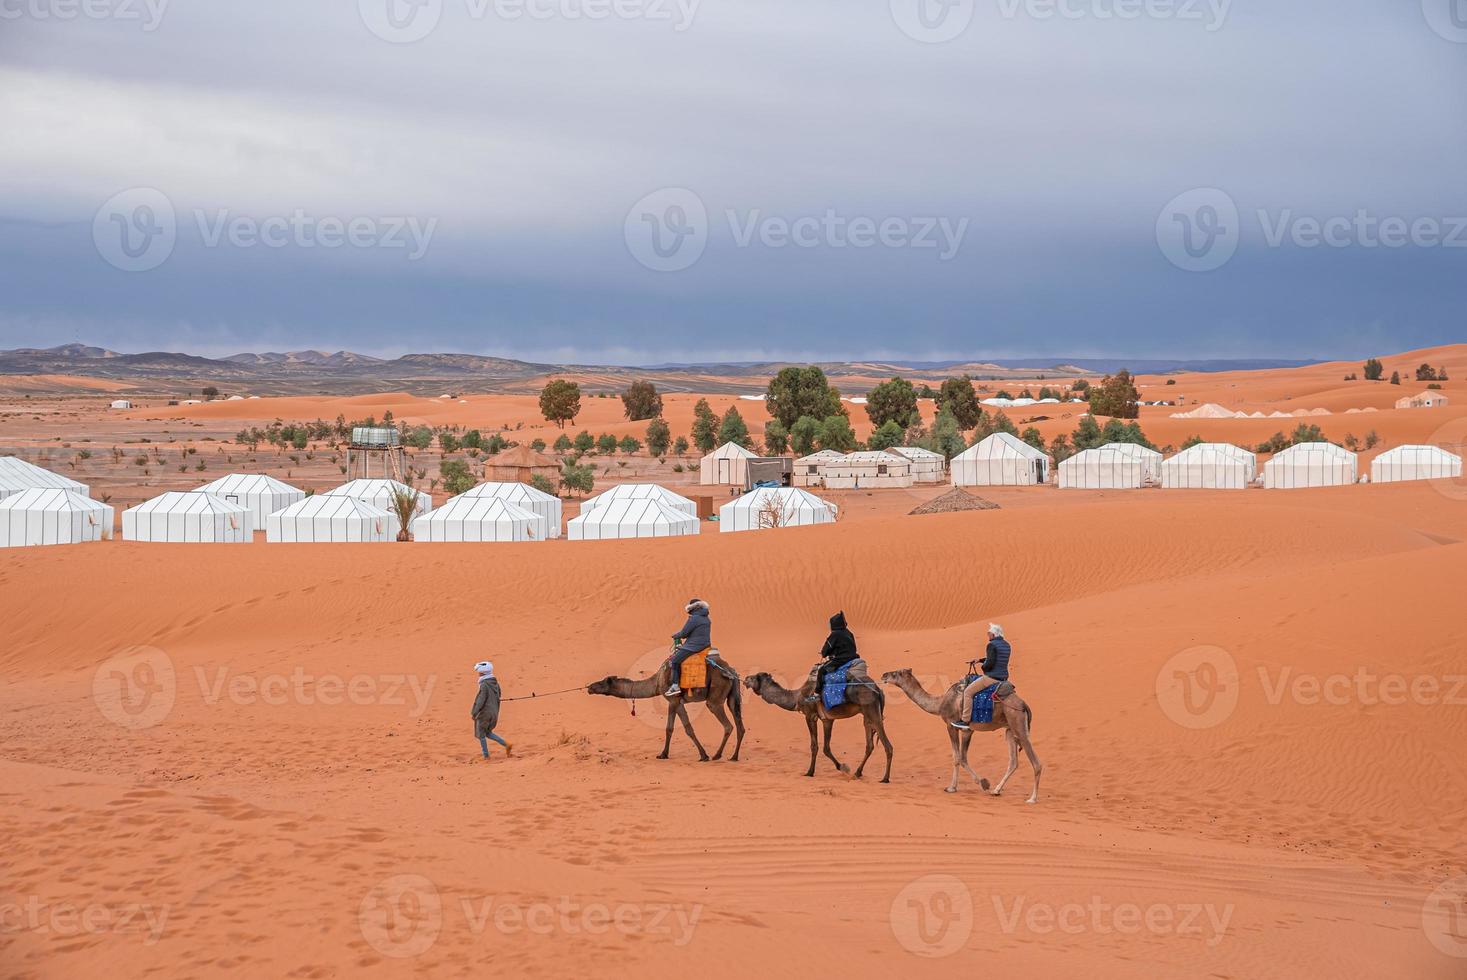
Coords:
pixel 1234 784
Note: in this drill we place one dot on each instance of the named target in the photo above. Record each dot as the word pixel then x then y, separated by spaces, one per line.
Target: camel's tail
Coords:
pixel 1029 715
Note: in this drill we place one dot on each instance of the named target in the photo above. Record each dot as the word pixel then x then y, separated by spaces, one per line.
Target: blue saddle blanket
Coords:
pixel 834 694
pixel 982 712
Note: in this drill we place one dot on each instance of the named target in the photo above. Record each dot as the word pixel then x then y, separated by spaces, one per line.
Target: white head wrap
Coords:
pixel 484 668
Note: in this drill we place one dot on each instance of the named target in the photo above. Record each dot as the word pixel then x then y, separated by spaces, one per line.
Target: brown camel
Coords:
pixel 722 690
pixel 866 700
pixel 1011 715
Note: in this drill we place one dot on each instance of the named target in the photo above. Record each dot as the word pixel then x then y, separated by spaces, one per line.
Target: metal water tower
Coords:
pixel 382 445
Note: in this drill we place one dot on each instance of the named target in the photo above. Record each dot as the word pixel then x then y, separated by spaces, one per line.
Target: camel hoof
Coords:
pixel 983 783
pixel 994 792
pixel 662 756
pixel 1031 800
pixel 887 780
pixel 950 789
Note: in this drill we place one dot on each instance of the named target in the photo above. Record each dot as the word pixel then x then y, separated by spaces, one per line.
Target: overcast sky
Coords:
pixel 639 181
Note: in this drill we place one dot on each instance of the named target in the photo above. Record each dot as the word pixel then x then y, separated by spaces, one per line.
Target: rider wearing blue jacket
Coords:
pixel 695 637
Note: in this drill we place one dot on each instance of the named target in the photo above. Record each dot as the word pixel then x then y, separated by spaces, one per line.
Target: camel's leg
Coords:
pixel 682 713
pixel 667 732
pixel 738 717
pixel 967 737
pixel 1022 737
pixel 870 746
pixel 840 767
pixel 885 743
pixel 715 708
pixel 814 742
pixel 1013 760
pixel 952 737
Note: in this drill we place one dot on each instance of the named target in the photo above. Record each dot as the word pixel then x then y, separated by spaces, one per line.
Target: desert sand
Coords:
pixel 1250 707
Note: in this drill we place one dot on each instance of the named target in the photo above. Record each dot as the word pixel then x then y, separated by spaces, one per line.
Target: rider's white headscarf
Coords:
pixel 995 629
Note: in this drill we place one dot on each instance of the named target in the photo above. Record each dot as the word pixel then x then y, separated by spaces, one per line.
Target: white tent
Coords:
pixel 641 491
pixel 379 493
pixel 260 495
pixel 927 466
pixel 1311 464
pixel 48 516
pixel 545 507
pixel 1209 466
pixel 323 518
pixel 187 517
pixel 806 471
pixel 769 507
pixel 1109 467
pixel 122 403
pixel 866 470
pixel 466 518
pixel 17 475
pixel 643 517
pixel 725 465
pixel 1415 463
pixel 1001 460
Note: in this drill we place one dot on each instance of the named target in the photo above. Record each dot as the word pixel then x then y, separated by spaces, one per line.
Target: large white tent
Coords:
pixel 769 507
pixel 807 468
pixel 725 465
pixel 476 519
pixel 1311 464
pixel 17 475
pixel 261 495
pixel 1209 466
pixel 1415 463
pixel 188 517
pixel 379 493
pixel 927 466
pixel 1150 458
pixel 48 516
pixel 1001 460
pixel 866 470
pixel 1108 467
pixel 546 507
pixel 335 519
pixel 640 491
pixel 639 517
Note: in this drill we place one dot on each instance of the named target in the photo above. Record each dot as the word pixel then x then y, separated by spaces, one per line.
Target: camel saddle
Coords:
pixel 694 675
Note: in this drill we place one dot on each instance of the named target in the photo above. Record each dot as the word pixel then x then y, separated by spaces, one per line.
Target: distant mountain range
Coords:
pixel 273 372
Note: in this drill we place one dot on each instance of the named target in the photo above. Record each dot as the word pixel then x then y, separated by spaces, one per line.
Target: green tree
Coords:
pixel 893 401
pixel 447 441
pixel 563 443
pixel 680 446
pixel 705 426
pixel 578 478
pixel 560 402
pixel 210 392
pixel 641 401
pixel 473 439
pixel 542 483
pixel 888 435
pixel 420 437
pixel 1194 441
pixel 659 436
pixel 456 477
pixel 1060 448
pixel 584 442
pixel 960 399
pixel 1395 377
pixel 799 391
pixel 776 438
pixel 733 429
pixel 1426 373
pixel 1117 397
pixel 1034 438
pixel 804 434
pixel 606 444
pixel 1087 434
pixel 629 445
pixel 836 433
pixel 947 434
pixel 538 445
pixel 1373 370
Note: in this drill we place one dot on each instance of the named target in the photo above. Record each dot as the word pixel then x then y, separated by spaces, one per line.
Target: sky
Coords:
pixel 644 181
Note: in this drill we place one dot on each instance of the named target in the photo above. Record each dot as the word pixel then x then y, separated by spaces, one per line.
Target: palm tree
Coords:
pixel 404 505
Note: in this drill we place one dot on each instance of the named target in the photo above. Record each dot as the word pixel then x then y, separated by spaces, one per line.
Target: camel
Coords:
pixel 1011 715
pixel 722 690
pixel 866 700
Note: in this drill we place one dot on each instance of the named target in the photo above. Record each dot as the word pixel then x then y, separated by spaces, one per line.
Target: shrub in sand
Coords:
pixel 404 506
pixel 542 483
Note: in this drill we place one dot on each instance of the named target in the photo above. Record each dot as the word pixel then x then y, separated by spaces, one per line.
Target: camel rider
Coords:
pixel 695 637
pixel 839 650
pixel 995 668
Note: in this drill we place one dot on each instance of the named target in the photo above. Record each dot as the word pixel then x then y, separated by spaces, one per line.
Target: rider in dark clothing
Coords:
pixel 995 670
pixel 695 637
pixel 839 649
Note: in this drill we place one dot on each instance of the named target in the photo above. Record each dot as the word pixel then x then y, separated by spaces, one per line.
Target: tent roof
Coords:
pixel 326 505
pixel 914 452
pixel 247 483
pixel 730 450
pixel 51 499
pixel 1305 449
pixel 788 497
pixel 370 488
pixel 1204 450
pixel 1431 452
pixel 474 509
pixel 1131 449
pixel 819 457
pixel 640 511
pixel 187 502
pixel 1001 445
pixel 16 473
pixel 636 491
pixel 513 492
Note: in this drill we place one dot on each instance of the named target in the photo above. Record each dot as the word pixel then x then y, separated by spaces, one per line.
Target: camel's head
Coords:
pixel 603 686
pixel 896 676
pixel 756 682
